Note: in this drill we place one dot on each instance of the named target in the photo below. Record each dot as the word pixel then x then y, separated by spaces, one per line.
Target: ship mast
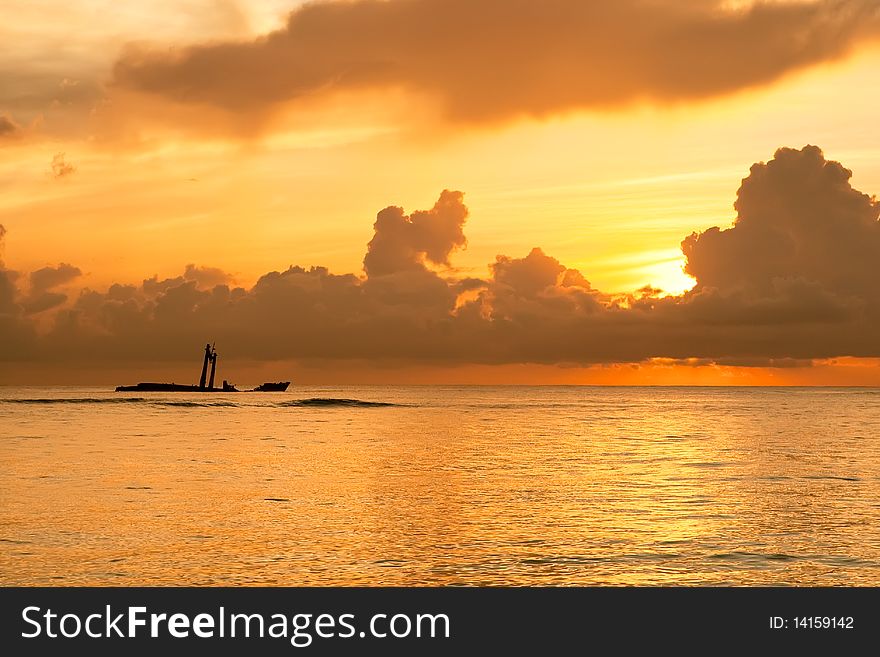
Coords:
pixel 213 367
pixel 205 367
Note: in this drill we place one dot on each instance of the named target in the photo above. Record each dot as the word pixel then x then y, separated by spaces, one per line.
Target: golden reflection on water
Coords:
pixel 455 485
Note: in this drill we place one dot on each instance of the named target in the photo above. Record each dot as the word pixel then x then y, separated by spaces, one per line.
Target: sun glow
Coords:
pixel 152 183
pixel 668 275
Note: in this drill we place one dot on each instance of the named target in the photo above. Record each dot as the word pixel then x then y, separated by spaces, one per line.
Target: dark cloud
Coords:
pixel 8 127
pixel 794 279
pixel 17 335
pixel 402 243
pixel 198 278
pixel 7 281
pixel 49 277
pixel 206 276
pixel 7 293
pixel 41 301
pixel 41 295
pixel 533 275
pixel 487 59
pixel 797 218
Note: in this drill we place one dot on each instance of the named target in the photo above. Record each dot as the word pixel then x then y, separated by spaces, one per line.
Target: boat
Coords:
pixel 281 386
pixel 205 384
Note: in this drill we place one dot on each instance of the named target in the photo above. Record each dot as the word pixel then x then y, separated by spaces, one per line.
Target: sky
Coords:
pixel 447 191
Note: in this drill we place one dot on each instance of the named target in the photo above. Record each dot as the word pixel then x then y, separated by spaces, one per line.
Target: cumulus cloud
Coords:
pixel 49 277
pixel 798 217
pixel 206 276
pixel 530 276
pixel 490 59
pixel 42 295
pixel 794 279
pixel 403 243
pixel 799 265
pixel 195 276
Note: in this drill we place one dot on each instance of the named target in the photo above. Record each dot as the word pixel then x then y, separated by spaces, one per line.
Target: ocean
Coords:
pixel 441 485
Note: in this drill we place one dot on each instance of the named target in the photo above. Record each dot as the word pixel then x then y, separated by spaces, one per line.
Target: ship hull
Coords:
pixel 281 386
pixel 163 387
pixel 176 387
pixel 205 384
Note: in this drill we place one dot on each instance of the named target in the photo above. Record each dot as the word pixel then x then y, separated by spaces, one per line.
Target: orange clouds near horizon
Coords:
pixel 843 372
pixel 156 164
pixel 791 285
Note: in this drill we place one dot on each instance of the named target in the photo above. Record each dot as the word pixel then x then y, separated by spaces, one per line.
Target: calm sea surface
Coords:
pixel 441 485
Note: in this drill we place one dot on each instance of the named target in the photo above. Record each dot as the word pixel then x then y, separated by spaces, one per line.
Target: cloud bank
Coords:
pixel 795 278
pixel 494 59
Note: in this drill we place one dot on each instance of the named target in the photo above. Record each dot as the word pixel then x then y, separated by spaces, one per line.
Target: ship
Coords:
pixel 205 384
pixel 279 386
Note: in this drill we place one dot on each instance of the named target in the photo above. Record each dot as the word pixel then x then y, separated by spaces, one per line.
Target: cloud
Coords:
pixel 8 127
pixel 798 217
pixel 206 277
pixel 403 243
pixel 61 168
pixel 7 281
pixel 49 277
pixel 7 294
pixel 793 280
pixel 42 296
pixel 495 59
pixel 55 77
pixel 17 335
pixel 196 277
pixel 37 303
pixel 531 276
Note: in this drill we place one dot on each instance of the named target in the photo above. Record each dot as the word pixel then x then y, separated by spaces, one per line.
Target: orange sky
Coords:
pixel 114 161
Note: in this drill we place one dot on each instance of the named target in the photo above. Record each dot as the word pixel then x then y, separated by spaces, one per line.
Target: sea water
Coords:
pixel 441 485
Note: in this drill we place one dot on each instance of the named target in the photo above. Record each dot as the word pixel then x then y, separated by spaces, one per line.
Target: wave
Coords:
pixel 79 400
pixel 119 400
pixel 327 401
pixel 174 403
pixel 192 404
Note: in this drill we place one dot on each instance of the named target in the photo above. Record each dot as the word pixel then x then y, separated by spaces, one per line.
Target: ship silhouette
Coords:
pixel 210 357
